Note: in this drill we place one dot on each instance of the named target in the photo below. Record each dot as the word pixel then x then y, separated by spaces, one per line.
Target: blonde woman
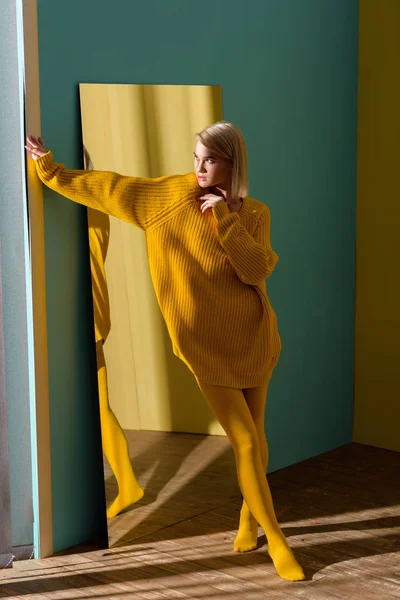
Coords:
pixel 210 255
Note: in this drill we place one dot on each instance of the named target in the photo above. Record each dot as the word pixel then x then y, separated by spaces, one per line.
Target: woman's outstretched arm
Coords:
pixel 137 200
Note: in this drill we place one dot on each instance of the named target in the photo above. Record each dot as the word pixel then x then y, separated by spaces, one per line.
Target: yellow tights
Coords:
pixel 115 446
pixel 241 414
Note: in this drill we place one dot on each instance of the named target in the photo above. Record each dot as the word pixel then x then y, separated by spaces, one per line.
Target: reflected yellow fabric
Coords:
pixel 99 233
pixel 148 131
pixel 115 445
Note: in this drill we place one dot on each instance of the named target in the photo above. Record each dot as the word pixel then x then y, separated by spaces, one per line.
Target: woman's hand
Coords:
pixel 209 201
pixel 35 146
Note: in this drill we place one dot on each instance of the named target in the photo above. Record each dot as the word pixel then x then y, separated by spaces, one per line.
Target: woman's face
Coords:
pixel 211 170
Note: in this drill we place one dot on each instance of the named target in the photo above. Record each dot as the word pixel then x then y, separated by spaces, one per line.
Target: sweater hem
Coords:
pixel 231 383
pixel 247 384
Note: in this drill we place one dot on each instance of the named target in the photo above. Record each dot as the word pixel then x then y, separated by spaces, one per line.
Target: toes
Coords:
pixel 243 547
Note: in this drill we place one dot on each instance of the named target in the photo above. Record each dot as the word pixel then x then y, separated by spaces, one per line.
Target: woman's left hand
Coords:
pixel 35 146
pixel 209 201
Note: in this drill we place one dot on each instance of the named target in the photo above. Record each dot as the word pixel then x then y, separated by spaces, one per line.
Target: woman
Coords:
pixel 209 255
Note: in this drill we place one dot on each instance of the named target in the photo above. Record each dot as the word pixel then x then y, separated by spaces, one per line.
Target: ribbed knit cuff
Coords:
pixel 43 164
pixel 227 221
pixel 221 210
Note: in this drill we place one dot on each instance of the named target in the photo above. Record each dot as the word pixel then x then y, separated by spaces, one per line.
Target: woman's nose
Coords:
pixel 202 168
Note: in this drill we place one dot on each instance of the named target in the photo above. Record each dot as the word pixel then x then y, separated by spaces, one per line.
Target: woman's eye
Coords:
pixel 211 161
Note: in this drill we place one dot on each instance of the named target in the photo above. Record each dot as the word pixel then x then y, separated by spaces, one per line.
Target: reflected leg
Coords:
pixel 115 446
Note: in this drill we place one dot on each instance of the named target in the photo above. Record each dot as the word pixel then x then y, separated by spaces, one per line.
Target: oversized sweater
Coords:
pixel 208 269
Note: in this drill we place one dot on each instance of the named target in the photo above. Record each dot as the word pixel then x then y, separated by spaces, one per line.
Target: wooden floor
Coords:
pixel 340 512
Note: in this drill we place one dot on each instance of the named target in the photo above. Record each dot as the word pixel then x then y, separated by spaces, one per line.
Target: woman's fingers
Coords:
pixel 34 152
pixel 35 142
pixel 209 203
pixel 29 147
pixel 205 205
pixel 35 146
pixel 30 142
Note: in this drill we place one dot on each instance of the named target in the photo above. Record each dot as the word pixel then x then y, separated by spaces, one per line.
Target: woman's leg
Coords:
pixel 256 397
pixel 115 446
pixel 230 408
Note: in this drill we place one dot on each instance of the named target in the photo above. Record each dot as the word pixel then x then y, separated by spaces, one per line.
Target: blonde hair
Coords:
pixel 227 141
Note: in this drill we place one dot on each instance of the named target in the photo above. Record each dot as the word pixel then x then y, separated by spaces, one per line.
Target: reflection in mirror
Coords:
pixel 139 130
pixel 114 442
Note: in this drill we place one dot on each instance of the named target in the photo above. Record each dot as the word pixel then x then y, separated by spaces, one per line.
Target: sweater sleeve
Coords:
pixel 251 256
pixel 137 200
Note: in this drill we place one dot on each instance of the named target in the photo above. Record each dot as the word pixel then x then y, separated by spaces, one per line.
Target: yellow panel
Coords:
pixel 43 528
pixel 377 355
pixel 145 131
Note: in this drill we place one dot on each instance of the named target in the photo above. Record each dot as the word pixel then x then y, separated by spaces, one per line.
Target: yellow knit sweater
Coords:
pixel 208 270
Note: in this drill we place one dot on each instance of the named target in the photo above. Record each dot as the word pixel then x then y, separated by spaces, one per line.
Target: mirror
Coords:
pixel 140 130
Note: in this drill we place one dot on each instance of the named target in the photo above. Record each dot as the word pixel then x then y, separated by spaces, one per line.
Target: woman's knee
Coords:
pixel 246 445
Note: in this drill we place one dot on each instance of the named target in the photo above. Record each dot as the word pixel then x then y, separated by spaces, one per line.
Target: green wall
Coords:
pixel 288 71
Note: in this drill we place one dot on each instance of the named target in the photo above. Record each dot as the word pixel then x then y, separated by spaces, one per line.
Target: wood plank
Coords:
pixel 340 512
